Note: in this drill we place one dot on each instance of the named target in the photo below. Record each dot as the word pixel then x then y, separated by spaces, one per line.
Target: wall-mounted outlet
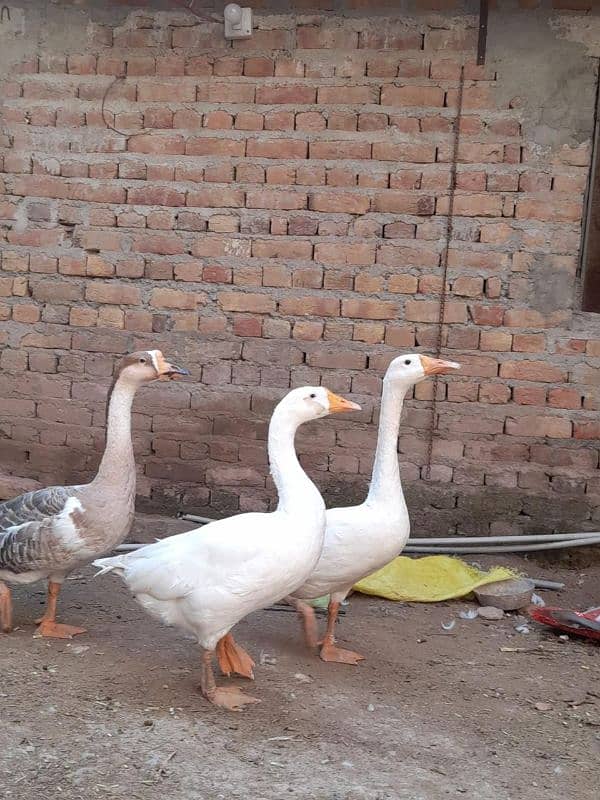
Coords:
pixel 238 21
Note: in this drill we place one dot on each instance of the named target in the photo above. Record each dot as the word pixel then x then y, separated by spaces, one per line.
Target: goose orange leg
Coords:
pixel 228 697
pixel 5 608
pixel 49 627
pixel 234 659
pixel 329 651
pixel 309 621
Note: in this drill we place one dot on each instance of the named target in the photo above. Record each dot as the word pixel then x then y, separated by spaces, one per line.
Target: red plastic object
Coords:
pixel 577 623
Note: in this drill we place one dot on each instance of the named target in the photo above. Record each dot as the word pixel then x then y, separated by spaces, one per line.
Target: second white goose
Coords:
pixel 359 540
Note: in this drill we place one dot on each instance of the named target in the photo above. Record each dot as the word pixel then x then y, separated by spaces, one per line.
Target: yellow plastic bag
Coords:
pixel 429 579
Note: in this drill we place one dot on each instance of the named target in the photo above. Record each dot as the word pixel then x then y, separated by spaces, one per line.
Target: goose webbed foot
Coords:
pixel 233 659
pixel 228 697
pixel 48 627
pixel 329 650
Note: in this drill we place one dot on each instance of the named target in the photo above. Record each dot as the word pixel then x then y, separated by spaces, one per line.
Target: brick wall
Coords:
pixel 271 213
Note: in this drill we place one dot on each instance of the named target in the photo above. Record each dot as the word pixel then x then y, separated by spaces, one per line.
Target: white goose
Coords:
pixel 206 580
pixel 50 532
pixel 361 539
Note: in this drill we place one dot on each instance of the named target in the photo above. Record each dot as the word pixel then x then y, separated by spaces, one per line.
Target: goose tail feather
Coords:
pixel 108 565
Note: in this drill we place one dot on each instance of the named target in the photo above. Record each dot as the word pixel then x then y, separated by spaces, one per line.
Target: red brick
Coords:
pixel 214 274
pixel 403 203
pixel 549 211
pixel 155 196
pixel 246 301
pixel 276 148
pixel 389 39
pixel 532 371
pixel 216 197
pixel 279 121
pixel 275 199
pixel 528 318
pixel 348 95
pixel 421 96
pixel 160 244
pixel 282 248
pixel 429 311
pixel 571 184
pixel 218 120
pixel 249 121
pixel 174 298
pixel 535 182
pixel 398 255
pixel 206 146
pixel 564 398
pixel 247 326
pixel 496 341
pixel 472 205
pixel 338 150
pixel 259 67
pixel 179 91
pixel 359 254
pixel 310 121
pixel 339 202
pixel 587 430
pixel 97 193
pixel 529 342
pixel 141 65
pixel 486 315
pixel 294 94
pixel 369 309
pixel 310 305
pixel 198 65
pixel 404 151
pixel 112 292
pixel 312 37
pixel 551 427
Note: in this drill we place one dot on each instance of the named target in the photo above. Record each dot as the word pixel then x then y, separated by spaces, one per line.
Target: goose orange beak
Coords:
pixel 437 366
pixel 167 371
pixel 337 403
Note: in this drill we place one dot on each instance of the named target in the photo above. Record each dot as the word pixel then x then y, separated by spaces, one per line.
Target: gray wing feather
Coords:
pixel 28 540
pixel 33 506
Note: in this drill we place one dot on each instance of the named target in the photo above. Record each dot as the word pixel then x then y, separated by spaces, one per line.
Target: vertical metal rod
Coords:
pixel 483 28
pixel 445 254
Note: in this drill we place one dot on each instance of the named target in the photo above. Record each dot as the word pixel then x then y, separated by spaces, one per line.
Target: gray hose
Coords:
pixel 533 537
pixel 523 548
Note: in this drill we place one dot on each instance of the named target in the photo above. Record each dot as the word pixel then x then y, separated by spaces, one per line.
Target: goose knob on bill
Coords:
pixel 206 580
pixel 48 533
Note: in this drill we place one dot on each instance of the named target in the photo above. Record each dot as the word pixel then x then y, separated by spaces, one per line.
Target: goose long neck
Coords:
pixel 118 463
pixel 385 482
pixel 297 493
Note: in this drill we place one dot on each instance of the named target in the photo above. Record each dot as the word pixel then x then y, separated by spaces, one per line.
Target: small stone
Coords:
pixel 302 678
pixel 490 612
pixel 370 707
pixel 543 706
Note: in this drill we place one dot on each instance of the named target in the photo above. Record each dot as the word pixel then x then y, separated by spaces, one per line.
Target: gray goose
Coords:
pixel 50 532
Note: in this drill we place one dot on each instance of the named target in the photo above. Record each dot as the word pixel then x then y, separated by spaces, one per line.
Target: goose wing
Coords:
pixel 38 530
pixel 222 555
pixel 34 506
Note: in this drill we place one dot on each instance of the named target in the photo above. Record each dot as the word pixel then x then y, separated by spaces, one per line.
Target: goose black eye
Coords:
pixel 142 360
pixel 407 361
pixel 312 396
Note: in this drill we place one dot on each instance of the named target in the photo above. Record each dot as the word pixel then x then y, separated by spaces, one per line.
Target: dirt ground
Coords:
pixel 429 715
